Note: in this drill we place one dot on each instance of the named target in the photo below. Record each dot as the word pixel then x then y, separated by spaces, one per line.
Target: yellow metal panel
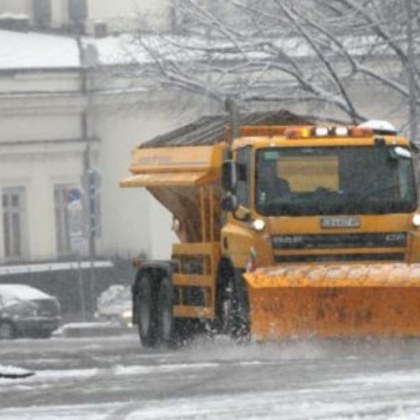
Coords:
pixel 354 300
pixel 177 159
pixel 238 240
pixel 202 216
pixel 263 142
pixel 182 311
pixel 335 275
pixel 197 248
pixel 414 247
pixel 193 280
pixel 335 312
pixel 165 179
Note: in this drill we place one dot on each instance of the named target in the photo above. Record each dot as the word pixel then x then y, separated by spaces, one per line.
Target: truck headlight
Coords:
pixel 258 225
pixel 416 220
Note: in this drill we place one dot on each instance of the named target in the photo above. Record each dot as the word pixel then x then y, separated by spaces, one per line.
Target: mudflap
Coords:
pixel 335 301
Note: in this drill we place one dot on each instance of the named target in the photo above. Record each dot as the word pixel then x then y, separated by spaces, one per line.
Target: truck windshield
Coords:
pixel 334 180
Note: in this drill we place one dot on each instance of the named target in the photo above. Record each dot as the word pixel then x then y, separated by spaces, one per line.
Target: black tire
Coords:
pixel 146 311
pixel 44 334
pixel 235 304
pixel 7 331
pixel 167 325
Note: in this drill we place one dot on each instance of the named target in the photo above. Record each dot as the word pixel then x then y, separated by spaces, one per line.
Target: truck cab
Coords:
pixel 321 194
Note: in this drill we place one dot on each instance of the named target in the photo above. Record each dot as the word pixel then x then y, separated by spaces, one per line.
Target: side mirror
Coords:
pixel 230 203
pixel 229 175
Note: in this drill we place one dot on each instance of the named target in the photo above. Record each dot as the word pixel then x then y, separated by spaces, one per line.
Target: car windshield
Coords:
pixel 115 295
pixel 335 180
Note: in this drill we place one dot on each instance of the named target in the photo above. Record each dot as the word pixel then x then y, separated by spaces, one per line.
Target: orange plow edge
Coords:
pixel 355 300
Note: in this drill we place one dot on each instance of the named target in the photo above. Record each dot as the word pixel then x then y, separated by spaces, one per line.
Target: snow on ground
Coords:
pixel 349 398
pixel 83 412
pixel 13 371
pixel 331 401
pixel 309 404
pixel 367 384
pixel 43 378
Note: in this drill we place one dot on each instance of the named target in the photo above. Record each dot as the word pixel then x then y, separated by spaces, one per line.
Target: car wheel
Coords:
pixel 45 334
pixel 7 330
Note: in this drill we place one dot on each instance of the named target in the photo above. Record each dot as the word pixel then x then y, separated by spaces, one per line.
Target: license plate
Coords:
pixel 340 222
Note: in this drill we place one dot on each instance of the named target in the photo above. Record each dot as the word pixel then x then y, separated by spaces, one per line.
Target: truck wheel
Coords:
pixel 167 330
pixel 44 334
pixel 238 317
pixel 226 307
pixel 7 331
pixel 146 312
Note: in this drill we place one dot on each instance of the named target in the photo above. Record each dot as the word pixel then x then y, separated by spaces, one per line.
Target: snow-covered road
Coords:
pixel 114 378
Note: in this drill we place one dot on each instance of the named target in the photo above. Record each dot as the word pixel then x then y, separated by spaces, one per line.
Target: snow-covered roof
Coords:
pixel 32 50
pixel 210 129
pixel 22 50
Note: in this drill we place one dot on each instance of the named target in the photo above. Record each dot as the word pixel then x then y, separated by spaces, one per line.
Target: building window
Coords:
pixel 42 12
pixel 77 10
pixel 68 223
pixel 13 222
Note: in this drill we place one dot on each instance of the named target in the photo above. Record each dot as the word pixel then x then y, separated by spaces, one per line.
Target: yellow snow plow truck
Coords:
pixel 286 231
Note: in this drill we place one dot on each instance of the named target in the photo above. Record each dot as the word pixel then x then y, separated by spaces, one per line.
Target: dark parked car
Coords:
pixel 27 312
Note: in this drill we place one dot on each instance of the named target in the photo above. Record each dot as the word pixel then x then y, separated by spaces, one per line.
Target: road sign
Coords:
pixel 91 183
pixel 78 245
pixel 76 220
pixel 91 180
pixel 75 211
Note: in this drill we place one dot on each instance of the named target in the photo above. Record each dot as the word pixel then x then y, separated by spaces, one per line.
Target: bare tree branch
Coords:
pixel 311 51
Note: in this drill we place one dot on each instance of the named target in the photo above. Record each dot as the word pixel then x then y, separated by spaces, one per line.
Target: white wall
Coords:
pixel 59 13
pixel 38 171
pixel 13 6
pixel 40 147
pixel 53 126
pixel 133 221
pixel 128 14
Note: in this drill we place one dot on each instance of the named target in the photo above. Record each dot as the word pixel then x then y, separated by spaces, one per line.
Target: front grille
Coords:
pixel 338 257
pixel 340 241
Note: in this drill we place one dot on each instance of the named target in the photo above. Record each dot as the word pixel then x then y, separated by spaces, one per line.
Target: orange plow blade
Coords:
pixel 376 300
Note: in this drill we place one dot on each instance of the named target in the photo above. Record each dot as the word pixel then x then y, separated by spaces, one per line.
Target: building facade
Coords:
pixel 54 113
pixel 90 16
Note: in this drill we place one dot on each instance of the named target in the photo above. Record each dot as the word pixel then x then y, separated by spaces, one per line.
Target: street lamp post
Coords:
pixel 411 74
pixel 88 60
